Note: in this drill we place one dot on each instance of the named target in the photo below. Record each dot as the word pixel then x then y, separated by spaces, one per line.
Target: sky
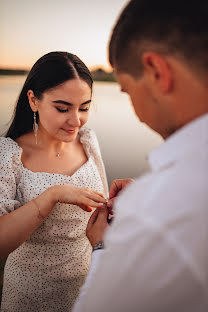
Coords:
pixel 32 28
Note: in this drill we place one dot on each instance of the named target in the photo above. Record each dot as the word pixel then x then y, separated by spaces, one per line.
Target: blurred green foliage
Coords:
pixel 101 75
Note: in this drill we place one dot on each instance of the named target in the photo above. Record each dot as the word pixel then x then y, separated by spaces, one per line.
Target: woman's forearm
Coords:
pixel 17 226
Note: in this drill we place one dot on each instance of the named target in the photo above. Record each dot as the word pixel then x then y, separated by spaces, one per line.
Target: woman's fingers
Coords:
pixel 92 198
pixel 97 197
pixel 83 197
pixel 100 194
pixel 89 198
pixel 85 207
pixel 92 203
pixel 88 207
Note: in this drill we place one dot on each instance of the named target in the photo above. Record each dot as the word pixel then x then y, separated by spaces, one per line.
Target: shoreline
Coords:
pixel 97 75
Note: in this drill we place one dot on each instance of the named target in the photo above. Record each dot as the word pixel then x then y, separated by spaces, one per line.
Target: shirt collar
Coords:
pixel 190 137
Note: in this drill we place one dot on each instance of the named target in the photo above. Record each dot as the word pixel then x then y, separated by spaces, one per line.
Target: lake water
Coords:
pixel 124 141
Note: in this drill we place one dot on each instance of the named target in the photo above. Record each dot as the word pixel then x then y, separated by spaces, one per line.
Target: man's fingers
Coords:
pixel 114 189
pixel 93 218
pixel 111 202
pixel 118 185
pixel 102 214
pixel 99 215
pixel 97 225
pixel 110 205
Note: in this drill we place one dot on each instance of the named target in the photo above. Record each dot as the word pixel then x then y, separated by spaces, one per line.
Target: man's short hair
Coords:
pixel 178 28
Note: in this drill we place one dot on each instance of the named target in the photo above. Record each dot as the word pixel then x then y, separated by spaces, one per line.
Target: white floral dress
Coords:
pixel 46 272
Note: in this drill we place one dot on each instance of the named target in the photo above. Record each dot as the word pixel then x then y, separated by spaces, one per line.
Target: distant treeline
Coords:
pixel 101 75
pixel 98 74
pixel 13 72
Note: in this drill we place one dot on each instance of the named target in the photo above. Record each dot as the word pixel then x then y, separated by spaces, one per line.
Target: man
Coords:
pixel 155 255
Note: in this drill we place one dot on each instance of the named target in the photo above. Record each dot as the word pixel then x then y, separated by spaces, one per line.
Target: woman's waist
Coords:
pixel 58 231
pixel 42 248
pixel 49 260
pixel 55 244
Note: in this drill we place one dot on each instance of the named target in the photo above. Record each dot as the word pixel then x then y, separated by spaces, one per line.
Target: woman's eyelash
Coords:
pixel 66 110
pixel 61 110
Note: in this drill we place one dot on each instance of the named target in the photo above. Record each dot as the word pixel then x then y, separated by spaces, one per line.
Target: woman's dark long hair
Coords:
pixel 49 71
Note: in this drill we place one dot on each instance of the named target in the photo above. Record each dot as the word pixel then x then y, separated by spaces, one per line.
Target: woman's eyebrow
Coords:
pixel 69 104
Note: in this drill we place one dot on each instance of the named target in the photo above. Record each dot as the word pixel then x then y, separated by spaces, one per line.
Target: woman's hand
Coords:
pixel 85 198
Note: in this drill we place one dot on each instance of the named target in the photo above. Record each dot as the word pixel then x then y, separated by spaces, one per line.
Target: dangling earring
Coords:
pixel 35 128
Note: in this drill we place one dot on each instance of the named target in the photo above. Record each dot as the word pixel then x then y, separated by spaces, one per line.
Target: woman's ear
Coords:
pixel 158 71
pixel 32 100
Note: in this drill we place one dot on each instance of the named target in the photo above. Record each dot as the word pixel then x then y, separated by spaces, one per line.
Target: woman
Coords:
pixel 51 174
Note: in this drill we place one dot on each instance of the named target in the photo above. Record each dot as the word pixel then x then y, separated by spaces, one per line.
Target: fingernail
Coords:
pixel 101 204
pixel 89 209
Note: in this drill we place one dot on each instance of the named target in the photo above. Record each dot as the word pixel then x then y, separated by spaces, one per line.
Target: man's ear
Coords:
pixel 32 100
pixel 158 71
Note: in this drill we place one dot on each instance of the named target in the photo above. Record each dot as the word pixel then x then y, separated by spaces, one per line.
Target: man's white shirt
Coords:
pixel 156 250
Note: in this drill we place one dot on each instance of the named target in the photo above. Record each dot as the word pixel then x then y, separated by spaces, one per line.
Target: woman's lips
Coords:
pixel 69 131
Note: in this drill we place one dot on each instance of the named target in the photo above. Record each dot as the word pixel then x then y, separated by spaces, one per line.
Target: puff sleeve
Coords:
pixel 90 139
pixel 10 174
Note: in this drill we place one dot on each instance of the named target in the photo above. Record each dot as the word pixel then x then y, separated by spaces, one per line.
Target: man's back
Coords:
pixel 156 250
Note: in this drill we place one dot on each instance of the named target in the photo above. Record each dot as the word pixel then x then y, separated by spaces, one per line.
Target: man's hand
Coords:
pixel 97 225
pixel 116 187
